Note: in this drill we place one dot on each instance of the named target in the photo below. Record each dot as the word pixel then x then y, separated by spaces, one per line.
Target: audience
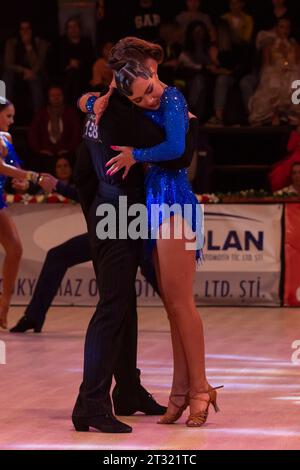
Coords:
pixel 271 103
pixel 54 132
pixel 63 170
pixel 102 73
pixel 235 59
pixel 24 65
pixel 193 13
pixel 280 174
pixel 76 57
pixel 193 62
pixel 241 24
pixel 294 180
pixel 146 19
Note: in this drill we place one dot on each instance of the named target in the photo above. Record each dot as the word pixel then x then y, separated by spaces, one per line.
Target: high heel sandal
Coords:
pixel 170 418
pixel 199 418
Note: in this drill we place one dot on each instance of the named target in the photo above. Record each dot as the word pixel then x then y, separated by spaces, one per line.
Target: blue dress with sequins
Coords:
pixel 167 189
pixel 11 159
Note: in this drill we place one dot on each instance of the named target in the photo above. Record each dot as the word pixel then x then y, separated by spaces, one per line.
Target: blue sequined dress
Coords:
pixel 11 159
pixel 166 188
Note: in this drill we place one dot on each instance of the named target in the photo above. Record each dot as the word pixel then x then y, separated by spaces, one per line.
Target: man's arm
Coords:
pixel 85 178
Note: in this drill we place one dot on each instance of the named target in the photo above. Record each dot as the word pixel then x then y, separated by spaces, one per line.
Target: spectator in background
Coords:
pixel 104 32
pixel 169 37
pixel 146 20
pixel 102 73
pixel 193 62
pixel 278 9
pixel 193 13
pixel 76 59
pixel 271 103
pixel 294 180
pixel 223 64
pixel 279 176
pixel 63 170
pixel 240 23
pixel 54 132
pixel 24 63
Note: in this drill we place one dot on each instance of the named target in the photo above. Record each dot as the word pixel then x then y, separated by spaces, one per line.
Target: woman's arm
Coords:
pixel 7 169
pixel 175 116
pixel 83 100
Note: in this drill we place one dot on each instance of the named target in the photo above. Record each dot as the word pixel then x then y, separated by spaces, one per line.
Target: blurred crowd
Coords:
pixel 234 69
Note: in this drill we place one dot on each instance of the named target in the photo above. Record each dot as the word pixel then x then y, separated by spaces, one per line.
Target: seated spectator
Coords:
pixel 54 131
pixel 271 103
pixel 280 175
pixel 63 170
pixel 240 23
pixel 294 180
pixel 102 73
pixel 169 41
pixel 24 64
pixel 76 58
pixel 193 62
pixel 193 13
pixel 278 10
pixel 223 64
pixel 146 20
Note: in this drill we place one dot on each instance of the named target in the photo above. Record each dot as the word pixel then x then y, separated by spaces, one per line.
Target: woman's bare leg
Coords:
pixel 177 271
pixel 11 243
pixel 180 383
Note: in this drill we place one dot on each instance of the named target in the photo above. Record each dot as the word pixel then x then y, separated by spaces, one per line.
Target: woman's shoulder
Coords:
pixel 172 96
pixel 6 136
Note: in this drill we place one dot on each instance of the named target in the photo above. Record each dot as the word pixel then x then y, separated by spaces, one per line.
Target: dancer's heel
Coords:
pixel 198 419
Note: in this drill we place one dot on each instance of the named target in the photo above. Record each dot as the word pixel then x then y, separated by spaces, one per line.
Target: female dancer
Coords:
pixel 174 263
pixel 9 238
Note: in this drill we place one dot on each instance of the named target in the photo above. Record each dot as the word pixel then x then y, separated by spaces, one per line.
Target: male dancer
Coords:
pixel 115 263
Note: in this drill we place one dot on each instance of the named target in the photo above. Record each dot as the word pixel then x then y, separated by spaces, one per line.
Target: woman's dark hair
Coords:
pixel 128 73
pixel 4 103
pixel 136 49
pixel 190 44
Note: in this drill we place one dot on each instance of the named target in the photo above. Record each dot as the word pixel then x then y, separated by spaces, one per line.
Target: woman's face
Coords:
pixel 25 31
pixel 73 30
pixel 284 29
pixel 7 117
pixel 63 169
pixel 146 93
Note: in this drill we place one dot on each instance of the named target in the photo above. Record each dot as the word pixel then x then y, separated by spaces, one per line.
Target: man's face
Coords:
pixel 56 97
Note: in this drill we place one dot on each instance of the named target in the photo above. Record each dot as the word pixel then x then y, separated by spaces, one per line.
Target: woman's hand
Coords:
pixel 123 160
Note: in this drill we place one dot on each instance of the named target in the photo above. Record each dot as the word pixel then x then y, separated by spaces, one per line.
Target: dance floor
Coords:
pixel 249 351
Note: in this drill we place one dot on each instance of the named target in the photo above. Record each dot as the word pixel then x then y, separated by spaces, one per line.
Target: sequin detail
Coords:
pixel 11 159
pixel 166 188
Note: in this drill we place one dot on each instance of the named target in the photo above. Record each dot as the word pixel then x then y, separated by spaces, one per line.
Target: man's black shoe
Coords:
pixel 25 324
pixel 144 403
pixel 104 423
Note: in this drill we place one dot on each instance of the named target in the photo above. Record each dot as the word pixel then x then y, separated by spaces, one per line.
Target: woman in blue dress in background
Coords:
pixel 175 263
pixel 9 237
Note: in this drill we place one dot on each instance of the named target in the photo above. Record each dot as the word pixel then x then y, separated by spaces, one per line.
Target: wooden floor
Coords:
pixel 248 350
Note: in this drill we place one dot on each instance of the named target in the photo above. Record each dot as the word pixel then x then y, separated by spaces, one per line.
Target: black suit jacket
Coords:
pixel 124 124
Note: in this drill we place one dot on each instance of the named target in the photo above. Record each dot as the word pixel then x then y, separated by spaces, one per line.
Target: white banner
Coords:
pixel 242 263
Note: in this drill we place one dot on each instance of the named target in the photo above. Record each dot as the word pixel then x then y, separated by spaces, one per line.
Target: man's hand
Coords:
pixel 48 182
